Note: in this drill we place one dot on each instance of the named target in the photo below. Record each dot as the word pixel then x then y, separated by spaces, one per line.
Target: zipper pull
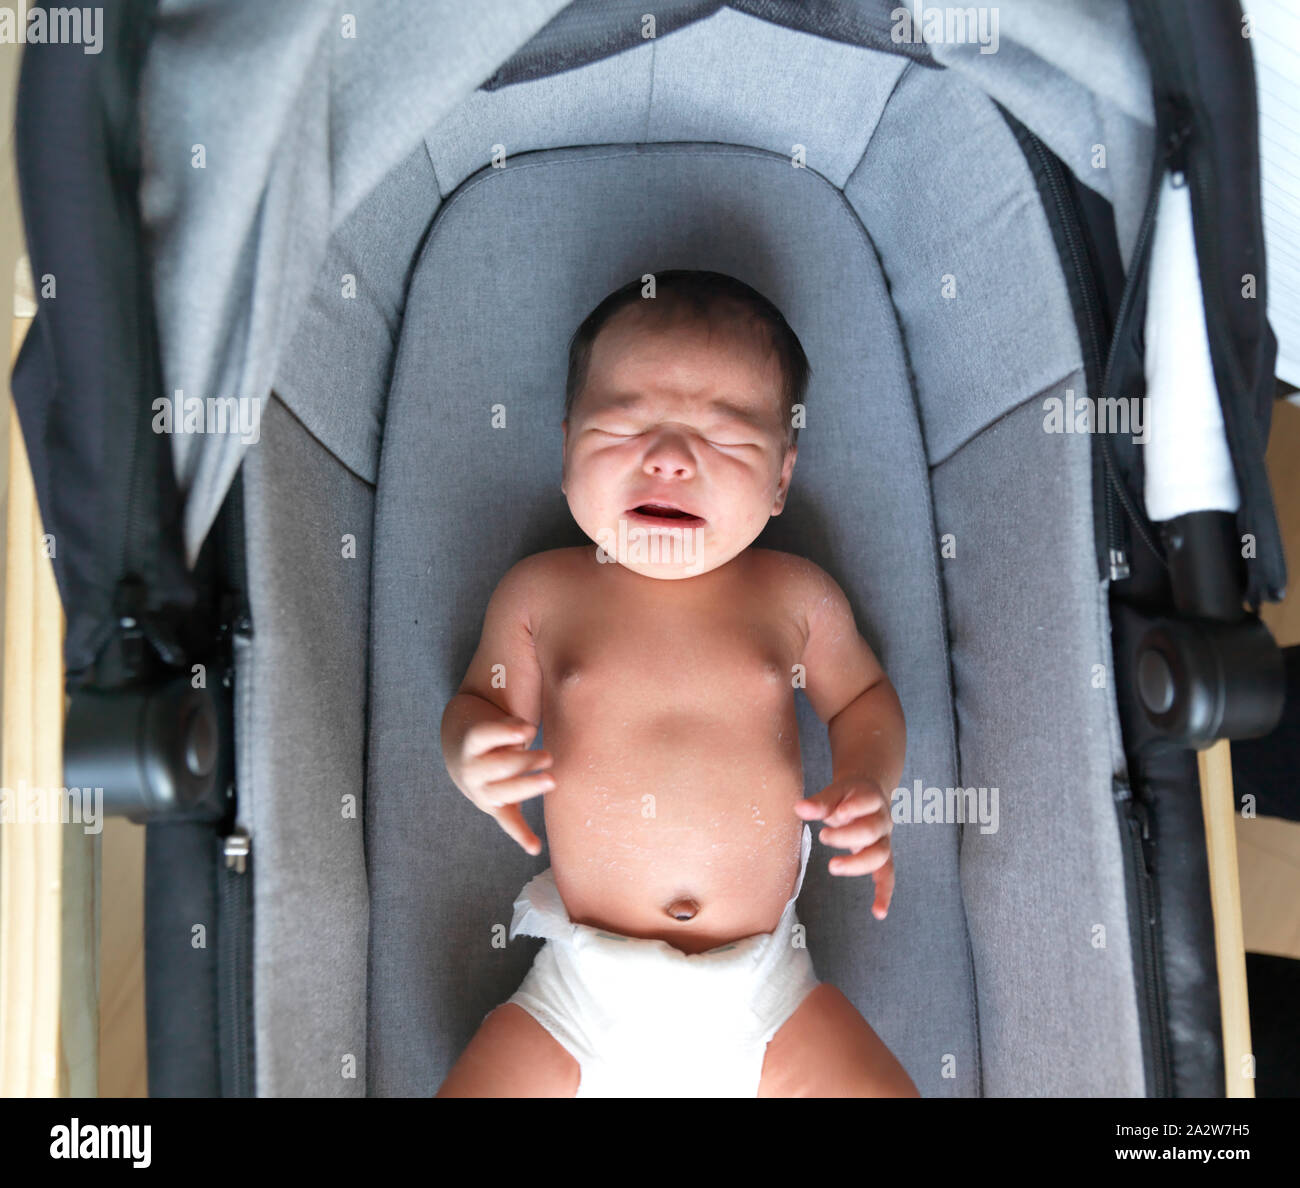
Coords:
pixel 1140 812
pixel 1176 147
pixel 1118 565
pixel 236 848
pixel 137 625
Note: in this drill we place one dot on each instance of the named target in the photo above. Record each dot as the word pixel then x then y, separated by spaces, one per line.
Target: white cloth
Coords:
pixel 1274 36
pixel 1188 467
pixel 644 1019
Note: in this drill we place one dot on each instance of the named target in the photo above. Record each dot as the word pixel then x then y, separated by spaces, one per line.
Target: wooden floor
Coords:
pixel 1269 849
pixel 123 1071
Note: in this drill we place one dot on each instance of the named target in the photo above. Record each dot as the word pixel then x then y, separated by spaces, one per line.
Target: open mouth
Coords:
pixel 664 513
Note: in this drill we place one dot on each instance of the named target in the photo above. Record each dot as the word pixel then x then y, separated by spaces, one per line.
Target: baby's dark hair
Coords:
pixel 702 295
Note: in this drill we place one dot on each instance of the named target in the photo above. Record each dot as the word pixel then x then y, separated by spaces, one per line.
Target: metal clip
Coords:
pixel 236 848
pixel 1144 819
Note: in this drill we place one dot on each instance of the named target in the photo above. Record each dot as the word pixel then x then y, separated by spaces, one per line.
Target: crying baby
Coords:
pixel 663 659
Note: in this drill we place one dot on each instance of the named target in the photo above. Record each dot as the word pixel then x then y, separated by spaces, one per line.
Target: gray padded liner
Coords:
pixel 971 219
pixel 923 155
pixel 1027 620
pixel 336 374
pixel 300 721
pixel 459 502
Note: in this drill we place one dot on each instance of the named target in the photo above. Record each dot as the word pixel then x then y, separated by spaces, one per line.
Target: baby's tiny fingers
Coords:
pixel 486 736
pixel 498 766
pixel 855 835
pixel 520 788
pixel 512 821
pixel 814 808
pixel 858 803
pixel 863 862
pixel 884 891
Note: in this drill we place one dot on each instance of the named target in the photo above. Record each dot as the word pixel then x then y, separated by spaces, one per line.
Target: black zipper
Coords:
pixel 1155 1026
pixel 134 523
pixel 137 622
pixel 1114 560
pixel 1115 488
pixel 1117 553
pixel 1135 823
pixel 1135 829
pixel 141 463
pixel 1068 221
pixel 236 972
pixel 1115 495
pixel 236 964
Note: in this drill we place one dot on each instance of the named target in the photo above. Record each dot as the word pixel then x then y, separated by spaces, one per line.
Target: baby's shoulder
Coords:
pixel 536 565
pixel 802 587
pixel 526 591
pixel 547 569
pixel 791 572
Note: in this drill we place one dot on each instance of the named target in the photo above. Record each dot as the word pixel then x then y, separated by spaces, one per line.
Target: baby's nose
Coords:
pixel 670 469
pixel 669 458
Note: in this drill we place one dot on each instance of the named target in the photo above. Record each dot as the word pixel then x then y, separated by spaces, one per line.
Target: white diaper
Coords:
pixel 644 1019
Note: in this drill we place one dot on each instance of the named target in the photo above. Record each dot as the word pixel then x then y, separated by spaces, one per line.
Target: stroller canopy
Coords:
pixel 304 111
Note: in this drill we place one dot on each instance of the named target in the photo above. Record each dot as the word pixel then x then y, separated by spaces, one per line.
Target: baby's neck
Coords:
pixel 690 586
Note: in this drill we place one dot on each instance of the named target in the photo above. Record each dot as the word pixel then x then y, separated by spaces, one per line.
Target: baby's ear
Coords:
pixel 783 487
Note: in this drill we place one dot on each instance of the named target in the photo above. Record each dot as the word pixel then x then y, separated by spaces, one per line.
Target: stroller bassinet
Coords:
pixel 384 224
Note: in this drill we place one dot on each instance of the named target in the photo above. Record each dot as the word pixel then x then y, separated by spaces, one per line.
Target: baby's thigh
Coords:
pixel 512 1055
pixel 827 1049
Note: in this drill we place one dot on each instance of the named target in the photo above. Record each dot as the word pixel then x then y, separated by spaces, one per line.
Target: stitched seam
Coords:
pixel 593 152
pixel 1002 416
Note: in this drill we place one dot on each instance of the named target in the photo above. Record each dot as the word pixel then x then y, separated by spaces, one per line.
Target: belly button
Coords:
pixel 683 909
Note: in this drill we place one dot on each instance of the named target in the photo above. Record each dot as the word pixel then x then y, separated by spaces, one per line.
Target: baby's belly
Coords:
pixel 677 831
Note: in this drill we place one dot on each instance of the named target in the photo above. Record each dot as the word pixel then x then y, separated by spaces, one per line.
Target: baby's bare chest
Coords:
pixel 723 655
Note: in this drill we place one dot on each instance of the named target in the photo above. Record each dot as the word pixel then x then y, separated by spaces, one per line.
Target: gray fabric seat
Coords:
pixel 479 331
pixel 914 259
pixel 513 262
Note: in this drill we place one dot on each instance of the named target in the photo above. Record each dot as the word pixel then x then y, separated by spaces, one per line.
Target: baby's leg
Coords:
pixel 512 1055
pixel 827 1049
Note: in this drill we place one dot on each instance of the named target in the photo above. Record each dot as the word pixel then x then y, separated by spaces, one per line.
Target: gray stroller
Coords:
pixel 370 223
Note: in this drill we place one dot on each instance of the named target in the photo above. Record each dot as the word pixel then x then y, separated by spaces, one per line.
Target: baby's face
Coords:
pixel 673 415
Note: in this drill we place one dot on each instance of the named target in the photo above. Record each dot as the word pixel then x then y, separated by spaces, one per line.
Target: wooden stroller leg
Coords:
pixel 49 918
pixel 1219 808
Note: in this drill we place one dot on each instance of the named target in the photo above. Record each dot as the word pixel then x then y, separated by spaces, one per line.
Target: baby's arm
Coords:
pixel 495 713
pixel 851 693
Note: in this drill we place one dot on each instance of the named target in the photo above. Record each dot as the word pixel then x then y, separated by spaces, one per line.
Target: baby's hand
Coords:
pixel 854 812
pixel 491 770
